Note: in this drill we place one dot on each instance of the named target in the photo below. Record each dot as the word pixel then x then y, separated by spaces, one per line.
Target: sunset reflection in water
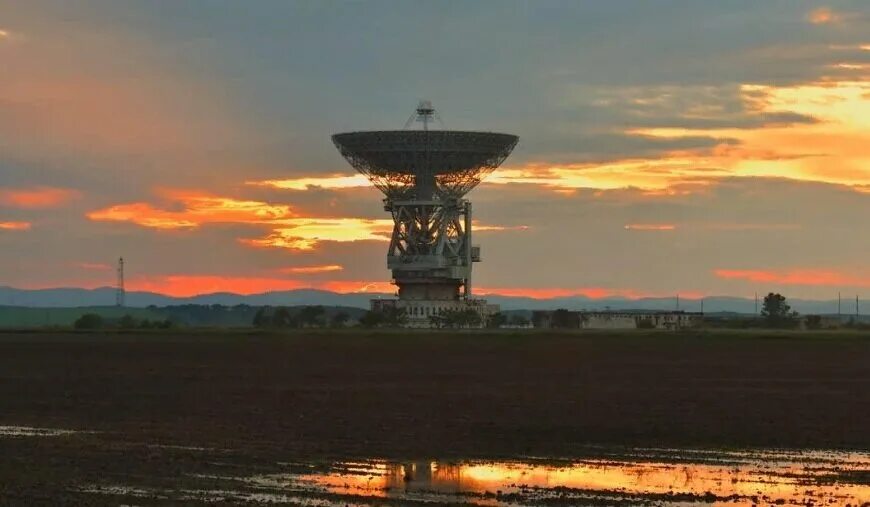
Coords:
pixel 732 477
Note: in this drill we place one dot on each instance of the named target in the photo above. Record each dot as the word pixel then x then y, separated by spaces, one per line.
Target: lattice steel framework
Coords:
pixel 424 175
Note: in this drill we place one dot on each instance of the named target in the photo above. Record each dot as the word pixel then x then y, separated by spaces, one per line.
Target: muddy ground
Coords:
pixel 325 395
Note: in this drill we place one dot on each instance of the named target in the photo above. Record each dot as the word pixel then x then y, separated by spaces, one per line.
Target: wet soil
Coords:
pixel 257 399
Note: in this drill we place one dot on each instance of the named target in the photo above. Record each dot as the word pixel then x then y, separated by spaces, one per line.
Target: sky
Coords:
pixel 666 147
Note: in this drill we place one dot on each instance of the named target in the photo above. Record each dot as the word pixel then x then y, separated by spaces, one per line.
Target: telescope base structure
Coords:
pixel 420 311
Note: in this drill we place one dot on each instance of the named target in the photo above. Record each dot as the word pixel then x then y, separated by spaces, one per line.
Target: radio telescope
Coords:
pixel 425 174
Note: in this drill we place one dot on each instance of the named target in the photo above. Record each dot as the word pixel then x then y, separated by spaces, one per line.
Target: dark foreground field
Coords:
pixel 409 396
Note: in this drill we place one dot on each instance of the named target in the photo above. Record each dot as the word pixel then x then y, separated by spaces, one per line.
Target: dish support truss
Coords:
pixel 430 251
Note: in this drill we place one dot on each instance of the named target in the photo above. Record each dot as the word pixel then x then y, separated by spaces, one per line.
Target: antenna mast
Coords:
pixel 424 114
pixel 120 293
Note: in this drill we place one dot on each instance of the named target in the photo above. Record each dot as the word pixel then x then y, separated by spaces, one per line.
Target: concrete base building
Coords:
pixel 420 311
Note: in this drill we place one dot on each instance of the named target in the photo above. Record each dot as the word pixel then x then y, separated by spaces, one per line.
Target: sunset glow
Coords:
pixel 650 227
pixel 184 148
pixel 334 181
pixel 305 233
pixel 308 270
pixel 823 15
pixel 829 278
pixel 36 198
pixel 191 285
pixel 197 209
pixel 15 226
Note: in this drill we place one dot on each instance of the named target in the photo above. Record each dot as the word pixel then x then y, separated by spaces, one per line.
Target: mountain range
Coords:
pixel 105 296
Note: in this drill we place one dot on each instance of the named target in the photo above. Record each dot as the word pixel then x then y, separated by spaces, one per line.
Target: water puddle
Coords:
pixel 28 431
pixel 666 477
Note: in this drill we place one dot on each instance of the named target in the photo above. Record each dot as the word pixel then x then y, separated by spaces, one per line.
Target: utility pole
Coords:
pixel 756 303
pixel 120 293
pixel 839 305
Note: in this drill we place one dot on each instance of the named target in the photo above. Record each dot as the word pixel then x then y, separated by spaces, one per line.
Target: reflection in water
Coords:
pixel 649 477
pixel 660 476
pixel 29 431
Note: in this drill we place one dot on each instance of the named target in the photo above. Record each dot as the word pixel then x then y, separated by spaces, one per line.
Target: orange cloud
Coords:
pixel 650 174
pixel 832 149
pixel 811 277
pixel 356 286
pixel 650 227
pixel 288 230
pixel 478 227
pixel 823 15
pixel 713 227
pixel 198 208
pixel 307 270
pixel 192 285
pixel 557 292
pixel 36 198
pixel 305 233
pixel 331 181
pixel 15 226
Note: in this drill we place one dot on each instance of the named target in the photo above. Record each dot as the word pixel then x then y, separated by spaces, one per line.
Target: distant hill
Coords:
pixel 105 296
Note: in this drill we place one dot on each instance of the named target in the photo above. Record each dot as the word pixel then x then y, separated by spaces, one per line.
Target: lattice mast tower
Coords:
pixel 424 175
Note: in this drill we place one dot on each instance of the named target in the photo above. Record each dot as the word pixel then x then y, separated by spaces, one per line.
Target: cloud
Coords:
pixel 650 227
pixel 588 292
pixel 726 136
pixel 191 285
pixel 823 16
pixel 15 226
pixel 181 285
pixel 289 230
pixel 36 197
pixel 332 181
pixel 306 233
pixel 198 208
pixel 310 270
pixel 811 277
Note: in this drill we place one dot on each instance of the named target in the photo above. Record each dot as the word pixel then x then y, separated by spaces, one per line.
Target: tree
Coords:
pixel 260 318
pixel 312 316
pixel 339 319
pixel 777 312
pixel 455 318
pixel 283 318
pixel 519 320
pixel 813 322
pixel 496 320
pixel 395 317
pixel 387 317
pixel 89 321
pixel 127 322
pixel 372 319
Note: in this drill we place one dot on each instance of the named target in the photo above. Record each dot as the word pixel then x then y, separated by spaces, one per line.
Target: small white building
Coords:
pixel 616 320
